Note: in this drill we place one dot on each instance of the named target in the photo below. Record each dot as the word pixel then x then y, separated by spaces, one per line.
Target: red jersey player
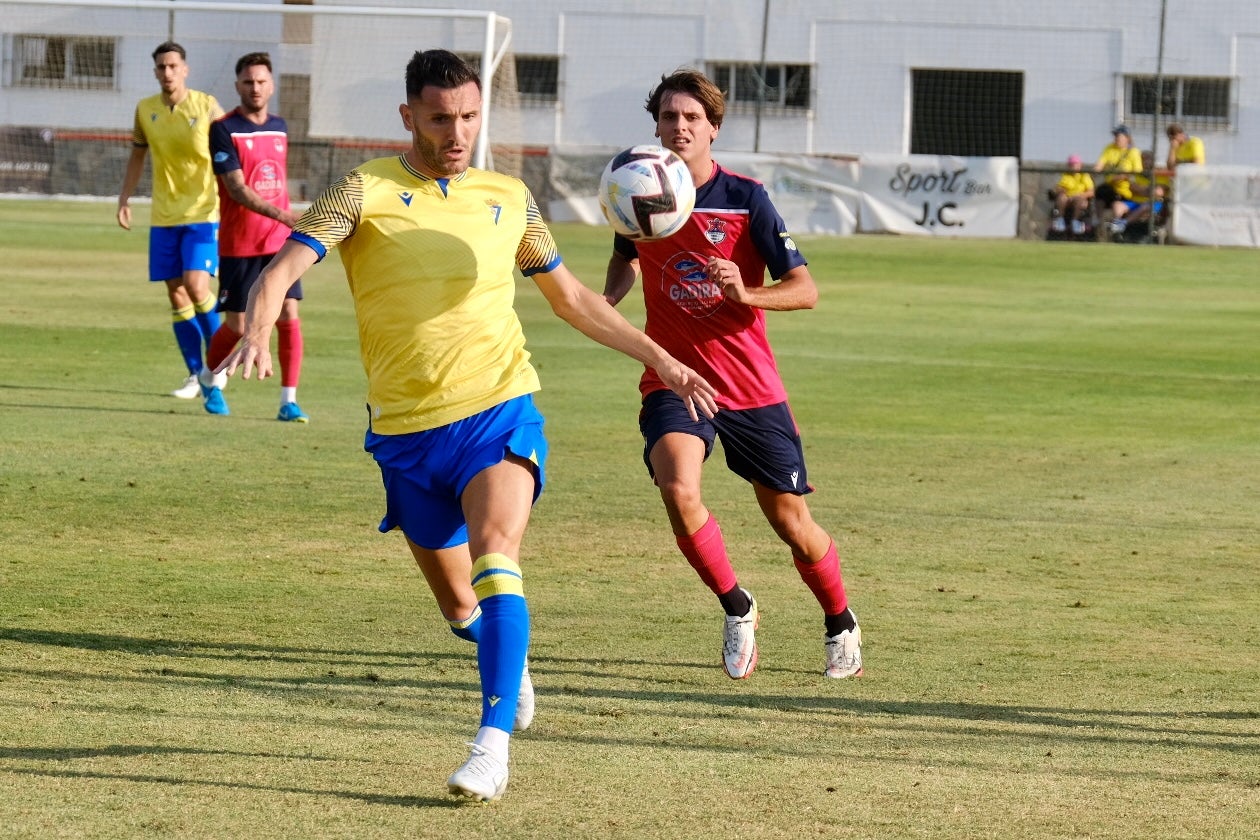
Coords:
pixel 249 153
pixel 706 296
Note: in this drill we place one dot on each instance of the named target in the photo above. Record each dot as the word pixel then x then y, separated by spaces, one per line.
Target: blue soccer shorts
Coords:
pixel 174 250
pixel 425 473
pixel 761 444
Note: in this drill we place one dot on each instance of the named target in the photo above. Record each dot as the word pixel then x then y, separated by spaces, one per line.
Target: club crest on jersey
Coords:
pixel 496 209
pixel 405 196
pixel 716 232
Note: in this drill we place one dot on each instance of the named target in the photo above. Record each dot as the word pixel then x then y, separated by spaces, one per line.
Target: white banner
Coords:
pixel 1216 205
pixel 938 195
pixel 812 194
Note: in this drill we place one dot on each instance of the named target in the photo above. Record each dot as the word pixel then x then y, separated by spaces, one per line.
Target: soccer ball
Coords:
pixel 646 192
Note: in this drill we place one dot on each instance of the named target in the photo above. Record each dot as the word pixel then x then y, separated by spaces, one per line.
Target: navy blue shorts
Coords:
pixel 425 473
pixel 761 444
pixel 237 276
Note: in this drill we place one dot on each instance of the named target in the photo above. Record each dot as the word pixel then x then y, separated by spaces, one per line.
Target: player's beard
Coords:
pixel 436 160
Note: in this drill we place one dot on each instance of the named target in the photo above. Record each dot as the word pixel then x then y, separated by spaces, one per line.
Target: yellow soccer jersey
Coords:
pixel 184 188
pixel 430 267
pixel 1076 183
pixel 1124 160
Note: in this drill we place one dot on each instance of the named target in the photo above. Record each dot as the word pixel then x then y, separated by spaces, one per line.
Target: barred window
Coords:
pixel 785 86
pixel 1195 102
pixel 63 61
pixel 538 77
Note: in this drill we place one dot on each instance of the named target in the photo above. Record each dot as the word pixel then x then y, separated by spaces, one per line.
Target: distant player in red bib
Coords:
pixel 706 296
pixel 249 152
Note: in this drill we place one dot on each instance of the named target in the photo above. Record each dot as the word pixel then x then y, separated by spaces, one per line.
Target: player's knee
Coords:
pixel 681 496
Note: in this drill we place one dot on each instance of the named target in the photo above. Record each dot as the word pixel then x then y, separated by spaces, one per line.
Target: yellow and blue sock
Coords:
pixel 188 336
pixel 469 628
pixel 207 319
pixel 504 637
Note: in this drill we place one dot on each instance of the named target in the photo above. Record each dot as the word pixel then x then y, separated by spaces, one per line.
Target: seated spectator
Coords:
pixel 1118 160
pixel 1182 148
pixel 1071 199
pixel 1150 188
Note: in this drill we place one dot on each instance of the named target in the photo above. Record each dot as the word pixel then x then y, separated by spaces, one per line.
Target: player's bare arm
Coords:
pixel 245 196
pixel 131 177
pixel 795 290
pixel 619 279
pixel 266 299
pixel 591 315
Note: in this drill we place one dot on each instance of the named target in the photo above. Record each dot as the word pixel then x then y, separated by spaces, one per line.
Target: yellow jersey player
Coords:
pixel 184 236
pixel 429 246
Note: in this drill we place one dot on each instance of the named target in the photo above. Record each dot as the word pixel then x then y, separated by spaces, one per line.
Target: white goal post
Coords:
pixel 73 71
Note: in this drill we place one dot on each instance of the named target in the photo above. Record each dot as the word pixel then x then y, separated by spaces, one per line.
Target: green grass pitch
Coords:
pixel 1041 462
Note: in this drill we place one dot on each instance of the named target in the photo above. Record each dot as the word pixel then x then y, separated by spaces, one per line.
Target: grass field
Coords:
pixel 1041 462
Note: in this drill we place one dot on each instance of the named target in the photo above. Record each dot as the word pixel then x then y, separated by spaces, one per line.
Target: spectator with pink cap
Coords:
pixel 1071 199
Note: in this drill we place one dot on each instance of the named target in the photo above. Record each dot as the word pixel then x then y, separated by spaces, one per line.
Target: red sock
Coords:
pixel 706 552
pixel 289 345
pixel 221 344
pixel 824 580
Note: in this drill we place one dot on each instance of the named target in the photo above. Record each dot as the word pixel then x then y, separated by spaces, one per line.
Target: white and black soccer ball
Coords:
pixel 646 192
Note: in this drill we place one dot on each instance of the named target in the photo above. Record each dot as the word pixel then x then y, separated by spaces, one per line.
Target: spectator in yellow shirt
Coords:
pixel 1182 148
pixel 1118 159
pixel 1071 198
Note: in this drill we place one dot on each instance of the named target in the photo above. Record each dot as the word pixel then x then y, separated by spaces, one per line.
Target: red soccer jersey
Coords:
pixel 261 153
pixel 687 314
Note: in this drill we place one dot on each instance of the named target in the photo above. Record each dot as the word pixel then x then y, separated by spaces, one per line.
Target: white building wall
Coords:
pixel 1072 55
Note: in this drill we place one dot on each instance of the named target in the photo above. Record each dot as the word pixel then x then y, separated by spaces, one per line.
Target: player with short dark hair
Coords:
pixel 183 237
pixel 249 149
pixel 429 245
pixel 706 298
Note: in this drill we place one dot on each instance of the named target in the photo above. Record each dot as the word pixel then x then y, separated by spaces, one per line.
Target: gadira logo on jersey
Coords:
pixel 687 284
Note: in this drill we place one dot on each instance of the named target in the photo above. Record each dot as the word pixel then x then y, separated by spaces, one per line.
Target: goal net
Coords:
pixel 73 71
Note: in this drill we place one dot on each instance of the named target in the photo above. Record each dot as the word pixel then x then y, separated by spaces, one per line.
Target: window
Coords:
pixel 785 86
pixel 1195 102
pixel 968 113
pixel 67 61
pixel 538 77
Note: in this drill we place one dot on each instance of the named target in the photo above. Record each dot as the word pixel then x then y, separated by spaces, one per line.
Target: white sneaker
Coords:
pixel 1058 225
pixel 843 654
pixel 213 380
pixel 524 703
pixel 483 777
pixel 190 390
pixel 739 645
pixel 1078 227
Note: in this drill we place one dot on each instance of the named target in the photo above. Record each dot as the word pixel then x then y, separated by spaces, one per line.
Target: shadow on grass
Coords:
pixel 1127 720
pixel 370 798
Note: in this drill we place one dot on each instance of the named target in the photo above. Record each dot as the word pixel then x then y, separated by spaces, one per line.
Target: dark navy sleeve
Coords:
pixel 769 234
pixel 222 150
pixel 624 247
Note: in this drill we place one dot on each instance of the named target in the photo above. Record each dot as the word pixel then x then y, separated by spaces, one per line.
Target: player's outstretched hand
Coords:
pixel 248 356
pixel 694 389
